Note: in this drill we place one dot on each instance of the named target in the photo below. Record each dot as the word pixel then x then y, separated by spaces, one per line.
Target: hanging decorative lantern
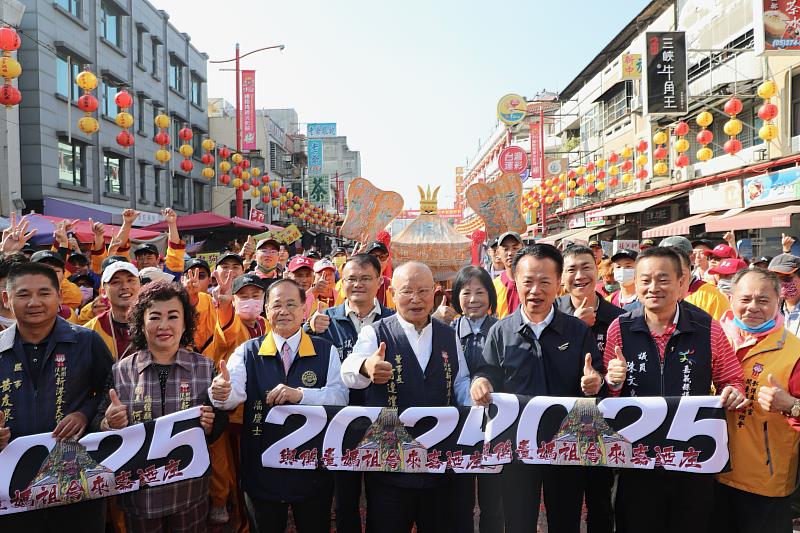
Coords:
pixel 162 138
pixel 9 67
pixel 207 158
pixel 704 136
pixel 733 126
pixel 681 145
pixel 225 179
pixel 87 83
pixel 237 182
pixel 237 158
pixel 124 119
pixel 186 150
pixel 224 165
pixel 768 111
pixel 660 153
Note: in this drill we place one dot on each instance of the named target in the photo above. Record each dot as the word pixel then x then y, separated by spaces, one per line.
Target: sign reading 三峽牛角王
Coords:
pixel 666 73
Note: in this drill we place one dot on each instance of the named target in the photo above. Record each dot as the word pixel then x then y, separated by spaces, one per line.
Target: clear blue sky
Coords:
pixel 412 84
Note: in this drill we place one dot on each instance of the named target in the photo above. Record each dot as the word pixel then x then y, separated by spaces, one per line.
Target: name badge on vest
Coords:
pixel 309 378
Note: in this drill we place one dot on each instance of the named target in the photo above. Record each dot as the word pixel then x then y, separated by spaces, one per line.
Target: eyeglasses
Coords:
pixel 422 293
pixel 363 280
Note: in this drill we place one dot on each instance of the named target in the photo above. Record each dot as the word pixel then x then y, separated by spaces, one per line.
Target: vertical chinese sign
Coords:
pixel 314 156
pixel 536 155
pixel 319 190
pixel 341 206
pixel 667 92
pixel 248 110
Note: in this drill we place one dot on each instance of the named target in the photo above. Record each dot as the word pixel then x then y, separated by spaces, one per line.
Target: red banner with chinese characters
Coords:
pixel 256 215
pixel 536 156
pixel 248 110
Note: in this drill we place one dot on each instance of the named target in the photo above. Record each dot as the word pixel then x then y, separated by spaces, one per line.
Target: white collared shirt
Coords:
pixel 333 393
pixel 420 342
pixel 359 323
pixel 538 327
pixel 475 325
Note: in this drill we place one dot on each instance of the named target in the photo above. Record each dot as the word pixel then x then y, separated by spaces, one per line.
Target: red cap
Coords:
pixel 300 261
pixel 721 251
pixel 729 266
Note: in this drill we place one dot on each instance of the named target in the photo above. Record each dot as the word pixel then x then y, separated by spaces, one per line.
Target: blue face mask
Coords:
pixel 766 326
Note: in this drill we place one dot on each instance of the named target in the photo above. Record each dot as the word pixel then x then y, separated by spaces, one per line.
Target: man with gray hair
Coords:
pixel 699 293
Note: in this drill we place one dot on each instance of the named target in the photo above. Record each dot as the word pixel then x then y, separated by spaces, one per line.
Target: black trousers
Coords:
pixel 664 502
pixel 348 501
pixel 737 511
pixel 597 489
pixel 88 516
pixel 393 509
pixel 490 502
pixel 563 497
pixel 312 515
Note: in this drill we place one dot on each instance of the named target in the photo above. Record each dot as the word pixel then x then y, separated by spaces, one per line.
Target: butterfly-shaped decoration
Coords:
pixel 497 203
pixel 369 210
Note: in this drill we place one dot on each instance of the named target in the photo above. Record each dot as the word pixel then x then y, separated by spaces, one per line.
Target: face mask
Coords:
pixel 766 326
pixel 724 285
pixel 7 322
pixel 339 260
pixel 87 293
pixel 611 287
pixel 789 290
pixel 249 309
pixel 624 275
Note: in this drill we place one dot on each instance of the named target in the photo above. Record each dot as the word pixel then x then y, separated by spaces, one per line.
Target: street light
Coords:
pixel 236 59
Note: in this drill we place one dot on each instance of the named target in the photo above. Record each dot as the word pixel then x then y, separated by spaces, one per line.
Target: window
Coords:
pixel 156 112
pixel 199 197
pixel 114 167
pixel 140 46
pixel 154 66
pixel 73 7
pixel 197 91
pixel 617 104
pixel 142 181
pixel 65 78
pixel 71 162
pixel 140 113
pixel 107 94
pixel 177 126
pixel 178 190
pixel 176 74
pixel 111 25
pixel 197 142
pixel 157 184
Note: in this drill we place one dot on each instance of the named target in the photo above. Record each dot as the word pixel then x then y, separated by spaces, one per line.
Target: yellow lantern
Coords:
pixel 535 204
pixel 265 190
pixel 208 145
pixel 162 155
pixel 290 211
pixel 705 153
pixel 627 152
pixel 9 67
pixel 562 176
pixel 255 171
pixel 660 168
pixel 601 186
pixel 289 194
pixel 86 81
pixel 733 127
pixel 124 120
pixel 571 184
pixel 237 158
pixel 704 119
pixel 254 193
pixel 162 121
pixel 641 160
pixel 600 163
pixel 245 175
pixel 562 196
pixel 580 191
pixel 549 183
pixel 283 198
pixel 580 171
pixel 768 132
pixel 681 145
pixel 88 125
pixel 208 173
pixel 767 89
pixel 660 137
pixel 613 170
pixel 186 150
pixel 237 182
pixel 274 203
pixel 627 177
pixel 590 178
pixel 224 167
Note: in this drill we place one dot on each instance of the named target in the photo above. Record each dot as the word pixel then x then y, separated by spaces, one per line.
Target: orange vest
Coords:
pixel 763 447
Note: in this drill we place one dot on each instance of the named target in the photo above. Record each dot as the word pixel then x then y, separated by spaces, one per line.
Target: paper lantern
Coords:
pixel 682 161
pixel 681 145
pixel 641 160
pixel 642 174
pixel 660 169
pixel 733 127
pixel 627 177
pixel 255 193
pixel 767 111
pixel 187 165
pixel 125 138
pixel 601 163
pixel 705 136
pixel 733 106
pixel 237 171
pixel 9 68
pixel 237 182
pixel 124 120
pixel 704 119
pixel 10 96
pixel 163 155
pixel 265 190
pixel 186 150
pixel 245 163
pixel 255 171
pixel 704 154
pixel 601 186
pixel 681 128
pixel 207 159
pixel 768 132
pixel 224 166
pixel 225 179
pixel 88 125
pixel 613 170
pixel 627 152
pixel 87 103
pixel 660 153
pixel 162 121
pixel 86 81
pixel 208 145
pixel 208 173
pixel 767 89
pixel 580 171
pixel 9 39
pixel 237 158
pixel 626 165
pixel 123 99
pixel 660 137
pixel 613 182
pixel 186 134
pixel 224 152
pixel 161 138
pixel 732 146
pixel 641 146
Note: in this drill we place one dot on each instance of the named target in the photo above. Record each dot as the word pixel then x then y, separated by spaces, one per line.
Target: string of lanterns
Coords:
pixel 224 165
pixel 9 67
pixel 124 119
pixel 768 111
pixel 162 138
pixel 186 150
pixel 207 159
pixel 87 103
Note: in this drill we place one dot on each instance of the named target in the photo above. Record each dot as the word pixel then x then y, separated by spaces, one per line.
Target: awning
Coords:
pixel 679 227
pixel 637 206
pixel 585 233
pixel 749 218
pixel 45 225
pixel 208 221
pixel 551 239
pixel 107 214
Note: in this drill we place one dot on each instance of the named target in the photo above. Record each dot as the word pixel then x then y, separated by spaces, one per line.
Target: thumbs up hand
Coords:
pixel 117 412
pixel 5 433
pixel 586 313
pixel 617 369
pixel 319 321
pixel 786 243
pixel 376 368
pixel 221 385
pixel 591 380
pixel 774 398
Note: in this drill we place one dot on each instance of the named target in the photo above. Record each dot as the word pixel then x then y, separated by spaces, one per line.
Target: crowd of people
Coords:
pixel 143 336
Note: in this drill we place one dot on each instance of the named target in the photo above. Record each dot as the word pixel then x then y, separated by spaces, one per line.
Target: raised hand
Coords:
pixel 481 391
pixel 786 243
pixel 617 369
pixel 586 313
pixel 206 418
pixel 191 282
pixel 117 412
pixel 129 216
pixel 169 215
pixel 591 380
pixel 16 235
pixel 221 385
pixel 319 321
pixel 444 312
pixel 376 368
pixel 99 232
pixel 774 398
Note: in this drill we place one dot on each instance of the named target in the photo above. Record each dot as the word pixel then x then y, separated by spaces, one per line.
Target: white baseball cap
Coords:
pixel 155 274
pixel 118 266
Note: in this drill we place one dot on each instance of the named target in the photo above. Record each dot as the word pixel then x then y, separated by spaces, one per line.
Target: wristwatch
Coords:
pixel 794 411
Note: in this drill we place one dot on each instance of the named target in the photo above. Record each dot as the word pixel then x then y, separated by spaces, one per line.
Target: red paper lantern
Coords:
pixel 225 179
pixel 660 153
pixel 224 152
pixel 125 138
pixel 682 161
pixel 266 178
pixel 590 189
pixel 571 193
pixel 256 182
pixel 614 181
pixel 283 190
pixel 87 103
pixel 185 134
pixel 9 95
pixel 187 165
pixel 613 158
pixel 275 194
pixel 571 174
pixel 590 166
pixel 733 106
pixel 123 99
pixel 245 163
pixel 283 207
pixel 601 175
pixel 237 171
pixel 768 111
pixel 245 186
pixel 207 159
pixel 9 39
pixel 732 146
pixel 681 128
pixel 642 174
pixel 626 165
pixel 641 147
pixel 705 136
pixel 162 138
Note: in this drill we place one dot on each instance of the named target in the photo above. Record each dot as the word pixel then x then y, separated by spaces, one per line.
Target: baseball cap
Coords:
pixel 594 244
pixel 112 259
pixel 154 274
pixel 623 254
pixel 513 234
pixel 147 248
pixel 199 263
pixel 338 251
pixel 75 278
pixel 300 261
pixel 702 242
pixel 728 266
pixel 377 245
pixel 676 241
pixel 647 242
pixel 763 259
pixel 248 279
pixel 231 255
pixel 784 264
pixel 492 243
pixel 322 264
pixel 78 258
pixel 48 256
pixel 28 249
pixel 268 240
pixel 721 251
pixel 118 266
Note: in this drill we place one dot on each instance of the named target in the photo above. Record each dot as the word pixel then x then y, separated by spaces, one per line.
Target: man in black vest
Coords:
pixel 668 348
pixel 539 350
pixel 286 366
pixel 402 361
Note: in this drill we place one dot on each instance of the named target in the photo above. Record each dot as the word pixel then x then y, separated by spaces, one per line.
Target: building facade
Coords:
pixel 129 45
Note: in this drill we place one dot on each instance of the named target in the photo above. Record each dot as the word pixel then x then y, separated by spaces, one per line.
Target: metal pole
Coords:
pixel 541 169
pixel 239 193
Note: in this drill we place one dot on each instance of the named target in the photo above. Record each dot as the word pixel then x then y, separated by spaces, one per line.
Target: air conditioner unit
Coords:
pixel 686 173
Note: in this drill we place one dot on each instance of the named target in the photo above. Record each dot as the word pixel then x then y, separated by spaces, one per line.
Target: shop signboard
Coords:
pixel 631 65
pixel 775 27
pixel 716 197
pixel 625 244
pixel 593 218
pixel 321 129
pixel 667 85
pixel 511 109
pixel 656 216
pixel 512 160
pixel 576 221
pixel 248 110
pixel 772 188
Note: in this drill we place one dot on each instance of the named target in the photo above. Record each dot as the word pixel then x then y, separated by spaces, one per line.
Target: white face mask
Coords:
pixel 624 275
pixel 87 293
pixel 249 309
